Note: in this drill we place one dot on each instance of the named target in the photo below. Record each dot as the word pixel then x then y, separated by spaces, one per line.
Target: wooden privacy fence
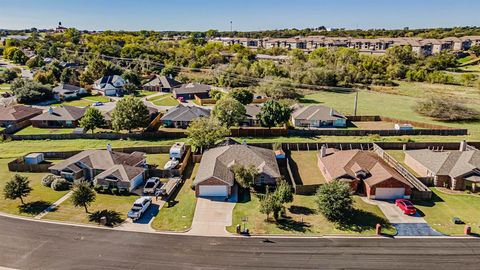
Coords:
pixel 18 165
pixel 380 132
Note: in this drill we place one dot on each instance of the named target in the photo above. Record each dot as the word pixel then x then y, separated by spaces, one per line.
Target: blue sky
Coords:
pixel 199 15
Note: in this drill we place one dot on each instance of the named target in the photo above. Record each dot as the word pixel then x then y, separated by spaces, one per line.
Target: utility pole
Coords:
pixel 355 104
pixel 231 26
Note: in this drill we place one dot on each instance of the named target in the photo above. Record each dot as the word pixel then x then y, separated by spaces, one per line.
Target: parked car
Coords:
pixel 151 185
pixel 139 207
pixel 98 103
pixel 171 164
pixel 406 206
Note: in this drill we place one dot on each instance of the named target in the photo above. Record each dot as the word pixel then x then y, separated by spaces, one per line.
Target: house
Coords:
pixel 365 172
pixel 104 167
pixel 110 85
pixel 458 170
pixel 59 117
pixel 215 178
pixel 68 91
pixel 317 116
pixel 13 115
pixel 190 90
pixel 181 116
pixel 161 84
pixel 252 110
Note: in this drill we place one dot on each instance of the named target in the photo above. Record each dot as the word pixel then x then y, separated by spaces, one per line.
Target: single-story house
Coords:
pixel 59 117
pixel 104 167
pixel 252 110
pixel 190 90
pixel 161 84
pixel 110 85
pixel 12 115
pixel 365 172
pixel 181 116
pixel 458 170
pixel 215 178
pixel 68 91
pixel 317 116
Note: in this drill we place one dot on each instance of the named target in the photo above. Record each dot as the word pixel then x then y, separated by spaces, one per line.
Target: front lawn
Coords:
pixel 39 199
pixel 30 130
pixel 164 100
pixel 179 217
pixel 145 93
pixel 97 98
pixel 302 218
pixel 304 167
pixel 67 212
pixel 444 207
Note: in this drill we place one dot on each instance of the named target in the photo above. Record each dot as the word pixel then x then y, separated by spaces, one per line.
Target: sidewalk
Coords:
pixel 54 205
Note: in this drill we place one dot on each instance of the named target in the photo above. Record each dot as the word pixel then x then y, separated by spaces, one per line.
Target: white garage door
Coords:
pixel 213 191
pixel 389 193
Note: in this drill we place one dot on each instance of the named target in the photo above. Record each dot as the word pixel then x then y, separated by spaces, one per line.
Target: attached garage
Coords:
pixel 213 191
pixel 389 193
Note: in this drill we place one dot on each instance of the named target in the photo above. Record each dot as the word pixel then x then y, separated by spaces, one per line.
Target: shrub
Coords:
pixel 60 184
pixel 115 191
pixel 446 110
pixel 334 200
pixel 48 179
pixel 112 217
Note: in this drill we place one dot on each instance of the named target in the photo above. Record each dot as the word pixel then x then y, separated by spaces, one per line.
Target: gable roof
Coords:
pixel 345 164
pixel 252 110
pixel 316 113
pixel 216 162
pixel 192 88
pixel 61 113
pixel 62 88
pixel 122 173
pixel 163 81
pixel 18 112
pixel 185 113
pixel 107 82
pixel 451 163
pixel 100 159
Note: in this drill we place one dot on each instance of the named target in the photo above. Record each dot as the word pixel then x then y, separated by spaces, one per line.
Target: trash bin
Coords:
pixel 239 229
pixel 468 230
pixel 378 229
pixel 103 221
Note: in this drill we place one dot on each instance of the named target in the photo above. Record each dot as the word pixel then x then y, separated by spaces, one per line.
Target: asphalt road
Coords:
pixel 34 245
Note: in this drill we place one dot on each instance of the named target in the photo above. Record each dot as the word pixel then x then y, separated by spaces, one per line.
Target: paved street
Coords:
pixel 36 245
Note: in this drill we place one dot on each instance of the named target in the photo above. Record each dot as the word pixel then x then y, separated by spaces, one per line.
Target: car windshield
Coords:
pixel 137 205
pixel 135 209
pixel 150 185
pixel 407 203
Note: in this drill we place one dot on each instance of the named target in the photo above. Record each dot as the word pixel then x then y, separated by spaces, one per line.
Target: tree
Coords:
pixel 334 201
pixel 278 89
pixel 283 192
pixel 44 77
pixel 216 94
pixel 229 111
pixel 83 195
pixel 27 91
pixel 245 175
pixel 270 204
pixel 446 110
pixel 274 113
pixel 132 78
pixel 92 119
pixel 476 50
pixel 243 95
pixel 17 188
pixel 205 132
pixel 130 113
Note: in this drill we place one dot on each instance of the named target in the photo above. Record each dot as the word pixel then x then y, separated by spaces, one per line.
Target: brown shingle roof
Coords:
pixel 62 113
pixel 122 173
pixel 316 113
pixel 101 159
pixel 18 113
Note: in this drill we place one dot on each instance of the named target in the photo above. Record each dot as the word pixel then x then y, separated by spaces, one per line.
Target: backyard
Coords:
pixel 30 130
pixel 302 218
pixel 304 167
pixel 158 159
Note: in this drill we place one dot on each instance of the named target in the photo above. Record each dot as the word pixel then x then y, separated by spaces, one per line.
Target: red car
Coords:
pixel 406 206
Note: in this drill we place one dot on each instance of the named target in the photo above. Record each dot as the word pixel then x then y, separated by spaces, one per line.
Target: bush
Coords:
pixel 48 179
pixel 446 110
pixel 334 201
pixel 112 217
pixel 115 191
pixel 60 184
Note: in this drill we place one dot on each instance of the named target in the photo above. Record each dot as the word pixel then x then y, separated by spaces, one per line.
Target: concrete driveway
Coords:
pixel 406 225
pixel 144 223
pixel 212 215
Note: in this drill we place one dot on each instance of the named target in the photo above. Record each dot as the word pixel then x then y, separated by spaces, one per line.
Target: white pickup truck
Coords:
pixel 139 207
pixel 151 185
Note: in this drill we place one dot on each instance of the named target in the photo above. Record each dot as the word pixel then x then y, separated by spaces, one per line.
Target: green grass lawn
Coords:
pixel 97 98
pixel 158 159
pixel 390 105
pixel 399 156
pixel 302 218
pixel 4 87
pixel 67 212
pixel 84 101
pixel 30 130
pixel 164 100
pixel 304 166
pixel 444 207
pixel 179 216
pixel 144 93
pixel 39 199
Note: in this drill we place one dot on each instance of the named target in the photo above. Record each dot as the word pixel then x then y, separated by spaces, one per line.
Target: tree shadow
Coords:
pixel 288 224
pixel 301 210
pixel 361 221
pixel 34 208
pixel 309 101
pixel 112 217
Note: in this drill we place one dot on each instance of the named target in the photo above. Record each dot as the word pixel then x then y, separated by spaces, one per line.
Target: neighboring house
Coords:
pixel 13 115
pixel 181 116
pixel 59 117
pixel 252 110
pixel 317 116
pixel 68 91
pixel 365 172
pixel 104 167
pixel 215 178
pixel 458 170
pixel 110 85
pixel 190 90
pixel 161 84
